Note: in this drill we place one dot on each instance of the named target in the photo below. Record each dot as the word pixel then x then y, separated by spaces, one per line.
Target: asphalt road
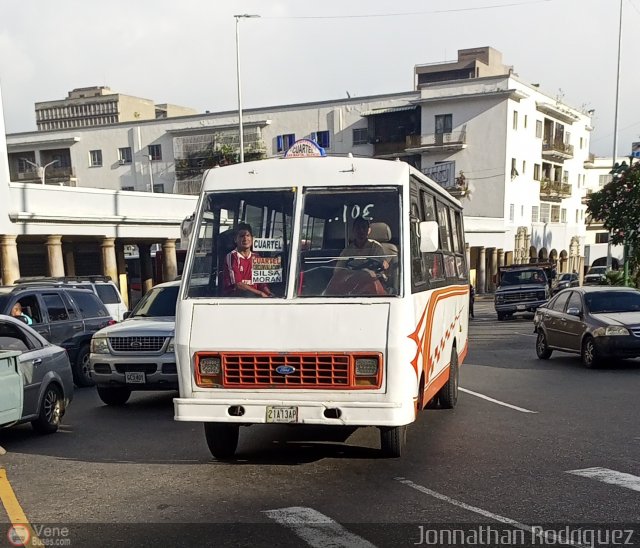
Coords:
pixel 555 446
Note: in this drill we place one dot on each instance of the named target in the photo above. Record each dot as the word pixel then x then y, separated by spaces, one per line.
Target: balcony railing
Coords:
pixel 557 148
pixel 451 140
pixel 54 175
pixel 554 189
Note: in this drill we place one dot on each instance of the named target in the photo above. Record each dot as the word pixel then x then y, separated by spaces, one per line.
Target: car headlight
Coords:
pixel 99 345
pixel 499 298
pixel 171 345
pixel 610 331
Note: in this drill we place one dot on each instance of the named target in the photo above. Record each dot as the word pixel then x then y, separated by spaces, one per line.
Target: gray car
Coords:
pixel 46 374
pixel 599 323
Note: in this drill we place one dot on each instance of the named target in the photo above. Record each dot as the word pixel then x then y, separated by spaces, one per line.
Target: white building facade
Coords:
pixel 512 154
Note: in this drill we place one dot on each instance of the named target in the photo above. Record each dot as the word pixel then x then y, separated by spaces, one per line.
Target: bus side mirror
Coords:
pixel 428 236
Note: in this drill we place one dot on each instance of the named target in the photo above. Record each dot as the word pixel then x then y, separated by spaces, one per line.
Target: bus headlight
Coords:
pixel 366 370
pixel 210 366
pixel 99 345
pixel 366 367
pixel 208 370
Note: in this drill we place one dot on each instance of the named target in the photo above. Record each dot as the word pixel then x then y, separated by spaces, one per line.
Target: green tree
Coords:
pixel 617 207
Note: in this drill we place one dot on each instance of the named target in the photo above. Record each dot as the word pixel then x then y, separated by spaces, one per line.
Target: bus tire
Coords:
pixel 393 440
pixel 114 395
pixel 448 394
pixel 222 439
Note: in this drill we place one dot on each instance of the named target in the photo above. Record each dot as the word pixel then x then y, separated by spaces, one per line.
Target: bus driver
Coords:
pixel 358 279
pixel 238 268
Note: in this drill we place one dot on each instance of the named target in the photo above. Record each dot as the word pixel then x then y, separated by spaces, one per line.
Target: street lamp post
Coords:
pixel 615 124
pixel 238 17
pixel 149 157
pixel 41 170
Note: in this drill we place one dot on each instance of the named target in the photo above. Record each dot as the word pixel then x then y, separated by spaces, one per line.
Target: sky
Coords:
pixel 184 52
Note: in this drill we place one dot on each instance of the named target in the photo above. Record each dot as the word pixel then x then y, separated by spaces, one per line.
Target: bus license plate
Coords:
pixel 134 377
pixel 282 414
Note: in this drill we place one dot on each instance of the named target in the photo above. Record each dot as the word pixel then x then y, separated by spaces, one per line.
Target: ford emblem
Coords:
pixel 135 344
pixel 285 369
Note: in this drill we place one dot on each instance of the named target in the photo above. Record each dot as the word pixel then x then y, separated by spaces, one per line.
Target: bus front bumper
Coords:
pixel 327 413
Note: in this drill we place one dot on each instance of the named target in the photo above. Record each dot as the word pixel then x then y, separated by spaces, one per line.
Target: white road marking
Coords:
pixel 535 531
pixel 316 529
pixel 607 475
pixel 525 334
pixel 521 409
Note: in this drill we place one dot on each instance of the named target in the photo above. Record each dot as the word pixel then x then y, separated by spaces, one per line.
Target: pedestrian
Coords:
pixel 472 299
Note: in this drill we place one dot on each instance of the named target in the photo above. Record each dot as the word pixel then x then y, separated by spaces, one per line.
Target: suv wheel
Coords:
pixel 81 370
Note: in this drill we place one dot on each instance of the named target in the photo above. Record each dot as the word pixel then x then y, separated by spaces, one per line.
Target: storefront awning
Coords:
pixel 387 110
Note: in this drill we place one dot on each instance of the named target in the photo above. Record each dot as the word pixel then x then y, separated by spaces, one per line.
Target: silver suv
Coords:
pixel 137 354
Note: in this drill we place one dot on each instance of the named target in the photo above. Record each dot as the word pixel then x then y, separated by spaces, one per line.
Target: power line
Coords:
pixel 411 13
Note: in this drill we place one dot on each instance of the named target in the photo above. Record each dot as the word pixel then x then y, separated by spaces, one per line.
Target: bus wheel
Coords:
pixel 448 394
pixel 393 440
pixel 222 439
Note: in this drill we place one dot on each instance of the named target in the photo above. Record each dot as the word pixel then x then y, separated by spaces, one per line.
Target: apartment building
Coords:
pixel 99 106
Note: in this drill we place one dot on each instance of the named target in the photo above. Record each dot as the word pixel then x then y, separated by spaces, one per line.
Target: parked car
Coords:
pixel 564 280
pixel 102 286
pixel 596 275
pixel 595 322
pixel 137 354
pixel 64 316
pixel 43 375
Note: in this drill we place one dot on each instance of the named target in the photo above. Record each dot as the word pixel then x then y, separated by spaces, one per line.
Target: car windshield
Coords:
pixel 600 302
pixel 160 301
pixel 564 278
pixel 519 277
pixel 598 270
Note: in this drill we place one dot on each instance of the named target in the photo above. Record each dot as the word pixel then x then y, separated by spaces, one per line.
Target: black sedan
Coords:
pixel 595 322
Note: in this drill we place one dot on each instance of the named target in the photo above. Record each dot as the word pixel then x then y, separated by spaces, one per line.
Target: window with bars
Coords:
pixel 555 213
pixel 545 212
pixel 155 152
pixel 535 214
pixel 360 136
pixel 95 158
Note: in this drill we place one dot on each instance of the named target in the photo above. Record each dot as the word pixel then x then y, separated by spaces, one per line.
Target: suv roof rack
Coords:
pixel 62 279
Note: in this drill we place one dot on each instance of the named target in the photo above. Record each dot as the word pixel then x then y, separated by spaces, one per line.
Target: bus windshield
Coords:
pixel 243 244
pixel 350 243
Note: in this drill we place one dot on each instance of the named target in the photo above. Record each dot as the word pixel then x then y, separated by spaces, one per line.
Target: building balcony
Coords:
pixel 585 199
pixel 589 162
pixel 63 176
pixel 556 150
pixel 393 148
pixel 438 142
pixel 554 190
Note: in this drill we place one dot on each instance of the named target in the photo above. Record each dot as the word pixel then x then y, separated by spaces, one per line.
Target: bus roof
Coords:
pixel 320 172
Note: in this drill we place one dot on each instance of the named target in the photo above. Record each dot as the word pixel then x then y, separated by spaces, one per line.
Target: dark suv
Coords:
pixel 64 316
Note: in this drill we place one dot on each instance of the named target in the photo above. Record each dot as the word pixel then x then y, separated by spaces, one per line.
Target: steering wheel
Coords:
pixel 370 264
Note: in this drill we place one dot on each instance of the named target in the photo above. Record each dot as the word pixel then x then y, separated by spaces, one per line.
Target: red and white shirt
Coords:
pixel 238 269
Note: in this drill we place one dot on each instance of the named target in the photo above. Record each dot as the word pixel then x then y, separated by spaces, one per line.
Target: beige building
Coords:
pixel 99 106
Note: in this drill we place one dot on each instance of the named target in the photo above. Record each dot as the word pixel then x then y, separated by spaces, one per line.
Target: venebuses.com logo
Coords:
pixel 19 535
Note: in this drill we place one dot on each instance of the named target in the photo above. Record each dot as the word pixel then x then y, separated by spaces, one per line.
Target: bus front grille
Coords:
pixel 271 370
